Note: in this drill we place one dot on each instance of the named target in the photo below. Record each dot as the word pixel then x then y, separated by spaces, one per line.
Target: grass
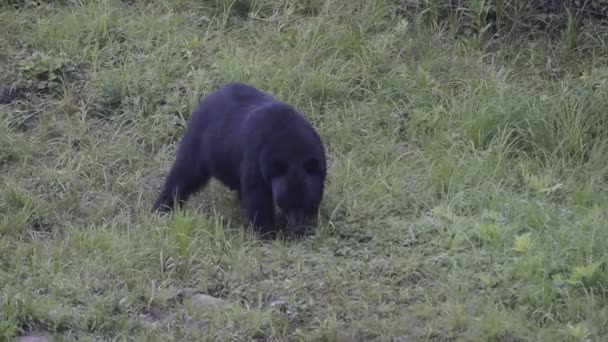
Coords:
pixel 466 197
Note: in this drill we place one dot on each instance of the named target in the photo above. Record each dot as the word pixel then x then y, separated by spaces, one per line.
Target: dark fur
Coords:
pixel 256 145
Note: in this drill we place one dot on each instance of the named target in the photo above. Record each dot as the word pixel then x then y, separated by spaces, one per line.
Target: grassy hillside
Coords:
pixel 466 198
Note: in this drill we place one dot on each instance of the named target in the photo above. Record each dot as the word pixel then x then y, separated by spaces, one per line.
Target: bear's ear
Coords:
pixel 311 165
pixel 278 168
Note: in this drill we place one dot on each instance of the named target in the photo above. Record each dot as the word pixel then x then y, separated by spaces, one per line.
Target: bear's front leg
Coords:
pixel 256 199
pixel 259 208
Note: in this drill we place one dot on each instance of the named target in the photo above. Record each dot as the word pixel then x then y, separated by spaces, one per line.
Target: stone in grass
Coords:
pixel 35 337
pixel 200 302
pixel 204 302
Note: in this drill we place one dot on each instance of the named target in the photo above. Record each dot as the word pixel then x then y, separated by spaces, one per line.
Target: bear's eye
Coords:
pixel 311 166
pixel 278 168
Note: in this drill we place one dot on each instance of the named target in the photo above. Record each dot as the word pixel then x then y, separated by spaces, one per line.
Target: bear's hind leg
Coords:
pixel 185 178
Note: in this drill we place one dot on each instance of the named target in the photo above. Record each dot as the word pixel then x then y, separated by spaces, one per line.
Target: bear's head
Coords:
pixel 297 183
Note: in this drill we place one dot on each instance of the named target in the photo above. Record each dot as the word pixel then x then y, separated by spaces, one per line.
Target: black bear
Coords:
pixel 258 146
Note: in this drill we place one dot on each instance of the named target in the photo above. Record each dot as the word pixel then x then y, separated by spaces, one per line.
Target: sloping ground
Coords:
pixel 466 199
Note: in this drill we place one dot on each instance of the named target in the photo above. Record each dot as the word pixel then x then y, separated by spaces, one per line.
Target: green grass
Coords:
pixel 466 198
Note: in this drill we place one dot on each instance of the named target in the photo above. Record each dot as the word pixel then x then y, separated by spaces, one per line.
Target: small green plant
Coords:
pixel 586 274
pixel 578 331
pixel 523 243
pixel 490 233
pixel 43 72
pixel 20 213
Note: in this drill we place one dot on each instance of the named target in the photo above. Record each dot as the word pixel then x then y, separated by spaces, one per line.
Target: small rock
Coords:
pixel 280 304
pixel 34 338
pixel 203 301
